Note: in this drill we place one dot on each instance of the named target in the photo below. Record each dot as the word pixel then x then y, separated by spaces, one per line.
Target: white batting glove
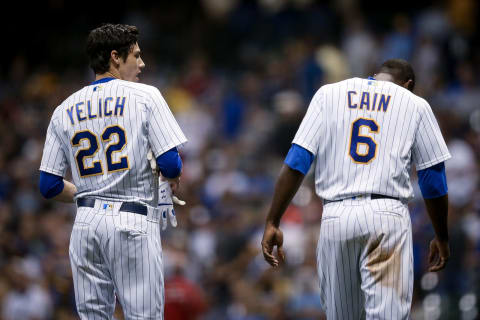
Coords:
pixel 165 203
pixel 165 197
pixel 153 162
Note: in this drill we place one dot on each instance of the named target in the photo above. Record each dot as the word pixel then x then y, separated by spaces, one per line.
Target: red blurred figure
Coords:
pixel 184 300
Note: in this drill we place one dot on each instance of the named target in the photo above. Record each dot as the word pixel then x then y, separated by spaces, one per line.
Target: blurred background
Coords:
pixel 239 76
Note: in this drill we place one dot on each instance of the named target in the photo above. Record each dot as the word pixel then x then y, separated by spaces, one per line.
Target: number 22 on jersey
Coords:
pixel 96 167
pixel 357 140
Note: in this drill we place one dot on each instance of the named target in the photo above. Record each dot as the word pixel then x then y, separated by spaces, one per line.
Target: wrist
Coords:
pixel 442 238
pixel 272 223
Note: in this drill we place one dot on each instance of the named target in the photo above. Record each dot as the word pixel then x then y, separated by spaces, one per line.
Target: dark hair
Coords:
pixel 102 40
pixel 400 70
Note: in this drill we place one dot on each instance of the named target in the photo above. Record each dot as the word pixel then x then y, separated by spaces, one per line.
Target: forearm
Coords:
pixel 67 193
pixel 287 185
pixel 437 209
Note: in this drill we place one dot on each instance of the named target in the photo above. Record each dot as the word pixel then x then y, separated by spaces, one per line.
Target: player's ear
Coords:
pixel 408 85
pixel 115 57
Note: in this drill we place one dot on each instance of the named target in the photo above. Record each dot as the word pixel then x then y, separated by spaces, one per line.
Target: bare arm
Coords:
pixel 287 185
pixel 67 193
pixel 437 209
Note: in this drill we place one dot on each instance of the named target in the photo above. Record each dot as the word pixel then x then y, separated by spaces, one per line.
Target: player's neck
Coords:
pixel 108 74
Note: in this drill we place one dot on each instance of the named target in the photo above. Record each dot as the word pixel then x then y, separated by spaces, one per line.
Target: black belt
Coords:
pixel 373 196
pixel 126 206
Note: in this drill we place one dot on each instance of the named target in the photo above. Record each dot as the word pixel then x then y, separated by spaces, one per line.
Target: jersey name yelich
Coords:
pixel 86 110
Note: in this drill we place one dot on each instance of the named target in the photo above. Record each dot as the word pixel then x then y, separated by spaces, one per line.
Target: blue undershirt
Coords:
pixel 433 181
pixel 50 184
pixel 299 158
pixel 169 163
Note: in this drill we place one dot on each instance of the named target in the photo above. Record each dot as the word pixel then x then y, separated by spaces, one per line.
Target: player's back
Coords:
pixel 104 130
pixel 367 138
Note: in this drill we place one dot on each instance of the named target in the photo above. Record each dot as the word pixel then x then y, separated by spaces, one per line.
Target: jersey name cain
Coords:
pixel 363 100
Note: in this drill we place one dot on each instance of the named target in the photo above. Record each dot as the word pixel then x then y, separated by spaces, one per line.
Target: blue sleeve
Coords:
pixel 299 158
pixel 50 184
pixel 170 163
pixel 433 181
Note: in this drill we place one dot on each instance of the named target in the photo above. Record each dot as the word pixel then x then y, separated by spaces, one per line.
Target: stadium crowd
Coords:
pixel 239 76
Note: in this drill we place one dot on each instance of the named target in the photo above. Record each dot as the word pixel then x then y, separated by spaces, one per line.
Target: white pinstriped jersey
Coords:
pixel 365 134
pixel 103 132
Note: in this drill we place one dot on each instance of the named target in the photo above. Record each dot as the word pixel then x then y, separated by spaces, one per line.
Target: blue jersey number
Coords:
pixel 122 164
pixel 357 140
pixel 96 168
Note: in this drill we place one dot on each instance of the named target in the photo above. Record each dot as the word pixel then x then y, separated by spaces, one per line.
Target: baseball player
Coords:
pixel 103 133
pixel 365 134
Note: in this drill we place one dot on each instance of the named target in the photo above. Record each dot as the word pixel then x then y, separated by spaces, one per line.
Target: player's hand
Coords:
pixel 273 236
pixel 439 255
pixel 174 183
pixel 165 204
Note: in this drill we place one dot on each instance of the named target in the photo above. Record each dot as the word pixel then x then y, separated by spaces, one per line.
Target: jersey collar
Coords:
pixel 102 80
pixel 371 78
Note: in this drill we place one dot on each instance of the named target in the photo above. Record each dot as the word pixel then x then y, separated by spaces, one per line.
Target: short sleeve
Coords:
pixel 308 134
pixel 164 133
pixel 429 147
pixel 54 159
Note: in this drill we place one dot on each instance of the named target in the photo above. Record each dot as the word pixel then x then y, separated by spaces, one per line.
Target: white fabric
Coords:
pixel 147 121
pixel 116 253
pixel 365 135
pixel 365 260
pixel 407 133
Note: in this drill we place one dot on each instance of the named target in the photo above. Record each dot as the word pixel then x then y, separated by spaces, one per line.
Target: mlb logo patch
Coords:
pixel 107 206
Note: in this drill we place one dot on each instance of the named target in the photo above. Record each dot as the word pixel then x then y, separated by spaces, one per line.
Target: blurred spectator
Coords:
pixel 398 44
pixel 462 173
pixel 359 47
pixel 28 299
pixel 184 300
pixel 240 76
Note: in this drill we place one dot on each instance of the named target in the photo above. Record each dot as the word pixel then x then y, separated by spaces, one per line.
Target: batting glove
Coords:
pixel 165 203
pixel 165 197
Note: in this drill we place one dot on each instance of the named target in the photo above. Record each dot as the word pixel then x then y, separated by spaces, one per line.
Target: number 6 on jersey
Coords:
pixel 357 140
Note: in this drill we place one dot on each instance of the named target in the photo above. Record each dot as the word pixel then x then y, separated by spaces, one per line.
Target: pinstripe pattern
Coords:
pixel 368 273
pixel 148 122
pixel 408 133
pixel 119 254
pixel 114 254
pixel 364 253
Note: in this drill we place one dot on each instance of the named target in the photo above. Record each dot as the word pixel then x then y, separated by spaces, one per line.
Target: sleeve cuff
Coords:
pixel 433 162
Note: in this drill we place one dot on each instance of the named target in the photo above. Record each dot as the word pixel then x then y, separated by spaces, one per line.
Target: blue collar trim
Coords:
pixel 102 80
pixel 371 78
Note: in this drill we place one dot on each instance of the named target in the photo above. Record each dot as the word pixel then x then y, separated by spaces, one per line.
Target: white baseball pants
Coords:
pixel 114 253
pixel 365 260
